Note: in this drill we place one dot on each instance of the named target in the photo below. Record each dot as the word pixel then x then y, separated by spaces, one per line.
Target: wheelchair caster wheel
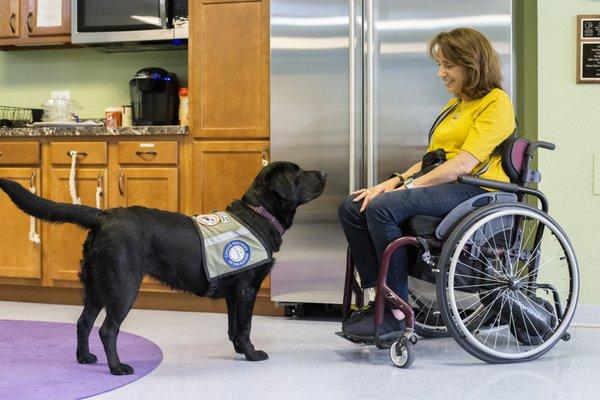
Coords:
pixel 566 337
pixel 402 353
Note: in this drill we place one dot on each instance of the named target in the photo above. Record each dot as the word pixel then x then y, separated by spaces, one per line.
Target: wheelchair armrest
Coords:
pixel 505 187
pixel 488 183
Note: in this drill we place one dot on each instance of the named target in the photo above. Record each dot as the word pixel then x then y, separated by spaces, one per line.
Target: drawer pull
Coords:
pixel 79 154
pixel 99 191
pixel 29 22
pixel 120 184
pixel 143 153
pixel 13 17
pixel 32 180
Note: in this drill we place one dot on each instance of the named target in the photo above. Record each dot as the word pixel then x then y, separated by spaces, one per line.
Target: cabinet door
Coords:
pixel 63 244
pixel 9 19
pixel 48 18
pixel 19 256
pixel 229 68
pixel 152 188
pixel 224 170
pixel 148 187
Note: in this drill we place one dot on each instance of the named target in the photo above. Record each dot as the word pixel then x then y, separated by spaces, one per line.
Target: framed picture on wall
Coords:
pixel 588 49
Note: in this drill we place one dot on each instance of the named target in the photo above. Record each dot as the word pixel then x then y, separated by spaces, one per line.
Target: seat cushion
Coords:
pixel 421 225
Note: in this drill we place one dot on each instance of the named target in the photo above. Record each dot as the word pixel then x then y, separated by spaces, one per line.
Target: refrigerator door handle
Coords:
pixel 352 94
pixel 369 117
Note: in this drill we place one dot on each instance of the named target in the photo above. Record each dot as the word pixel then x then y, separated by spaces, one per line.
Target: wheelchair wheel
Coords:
pixel 428 318
pixel 402 353
pixel 521 270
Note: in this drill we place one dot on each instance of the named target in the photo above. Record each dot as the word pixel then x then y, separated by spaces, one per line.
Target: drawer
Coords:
pixel 91 152
pixel 19 153
pixel 147 152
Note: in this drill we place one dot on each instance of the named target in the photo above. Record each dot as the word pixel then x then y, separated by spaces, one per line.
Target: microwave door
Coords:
pixel 120 21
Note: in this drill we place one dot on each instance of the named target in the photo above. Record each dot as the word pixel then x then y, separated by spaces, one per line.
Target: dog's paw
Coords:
pixel 257 355
pixel 88 358
pixel 122 369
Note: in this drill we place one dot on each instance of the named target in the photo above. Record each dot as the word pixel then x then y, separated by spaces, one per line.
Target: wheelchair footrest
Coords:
pixel 352 339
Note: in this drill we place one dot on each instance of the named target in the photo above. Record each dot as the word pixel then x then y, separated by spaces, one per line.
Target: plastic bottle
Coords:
pixel 184 106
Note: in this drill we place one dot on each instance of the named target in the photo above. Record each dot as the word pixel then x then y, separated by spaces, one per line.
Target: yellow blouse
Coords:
pixel 477 126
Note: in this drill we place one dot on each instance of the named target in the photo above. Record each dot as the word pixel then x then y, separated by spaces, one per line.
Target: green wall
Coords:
pixel 96 80
pixel 569 116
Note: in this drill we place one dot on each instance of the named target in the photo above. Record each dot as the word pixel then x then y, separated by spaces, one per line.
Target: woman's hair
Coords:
pixel 473 51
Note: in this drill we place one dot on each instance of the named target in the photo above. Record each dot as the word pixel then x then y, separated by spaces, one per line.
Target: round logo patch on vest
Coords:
pixel 208 219
pixel 236 253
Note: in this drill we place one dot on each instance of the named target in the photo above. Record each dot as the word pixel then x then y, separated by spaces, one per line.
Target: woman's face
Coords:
pixel 453 75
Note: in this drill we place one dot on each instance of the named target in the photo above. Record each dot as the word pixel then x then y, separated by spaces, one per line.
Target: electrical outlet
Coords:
pixel 65 94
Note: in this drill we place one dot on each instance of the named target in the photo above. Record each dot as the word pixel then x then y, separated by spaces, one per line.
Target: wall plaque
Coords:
pixel 588 49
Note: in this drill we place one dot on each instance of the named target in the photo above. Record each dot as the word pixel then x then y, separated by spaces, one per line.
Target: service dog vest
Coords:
pixel 229 246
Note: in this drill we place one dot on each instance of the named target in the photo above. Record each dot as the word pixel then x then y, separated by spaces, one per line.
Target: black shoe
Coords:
pixel 364 329
pixel 359 314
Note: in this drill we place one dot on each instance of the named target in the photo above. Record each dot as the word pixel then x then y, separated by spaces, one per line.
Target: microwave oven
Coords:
pixel 107 21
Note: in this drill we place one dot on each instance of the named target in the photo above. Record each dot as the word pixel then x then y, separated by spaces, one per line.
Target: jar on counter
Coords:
pixel 184 106
pixel 127 116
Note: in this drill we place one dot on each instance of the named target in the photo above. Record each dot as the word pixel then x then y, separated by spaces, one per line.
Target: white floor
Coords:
pixel 307 361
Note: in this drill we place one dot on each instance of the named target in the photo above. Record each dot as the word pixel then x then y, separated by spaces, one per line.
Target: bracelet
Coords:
pixel 398 175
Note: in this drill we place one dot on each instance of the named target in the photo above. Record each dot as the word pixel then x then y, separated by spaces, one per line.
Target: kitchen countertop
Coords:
pixel 94 131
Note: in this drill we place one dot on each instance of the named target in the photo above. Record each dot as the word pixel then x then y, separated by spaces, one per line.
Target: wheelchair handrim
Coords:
pixel 574 289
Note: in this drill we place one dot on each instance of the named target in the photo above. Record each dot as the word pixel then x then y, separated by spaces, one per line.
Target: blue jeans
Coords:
pixel 370 232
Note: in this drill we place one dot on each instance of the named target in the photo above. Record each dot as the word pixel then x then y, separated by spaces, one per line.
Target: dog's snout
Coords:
pixel 323 174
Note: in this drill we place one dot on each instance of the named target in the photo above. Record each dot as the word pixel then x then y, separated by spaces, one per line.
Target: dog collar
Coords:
pixel 264 213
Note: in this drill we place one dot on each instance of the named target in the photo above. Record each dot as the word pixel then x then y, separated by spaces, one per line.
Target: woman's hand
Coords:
pixel 366 195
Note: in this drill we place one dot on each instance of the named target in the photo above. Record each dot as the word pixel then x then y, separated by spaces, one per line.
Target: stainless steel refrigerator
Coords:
pixel 354 93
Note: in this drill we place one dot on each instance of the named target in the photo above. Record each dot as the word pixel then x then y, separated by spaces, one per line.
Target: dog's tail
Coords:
pixel 84 216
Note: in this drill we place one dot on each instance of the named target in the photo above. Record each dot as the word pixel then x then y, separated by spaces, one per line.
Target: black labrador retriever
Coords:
pixel 125 244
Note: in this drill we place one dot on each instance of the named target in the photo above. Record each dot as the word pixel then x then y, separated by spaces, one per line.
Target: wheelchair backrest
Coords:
pixel 513 157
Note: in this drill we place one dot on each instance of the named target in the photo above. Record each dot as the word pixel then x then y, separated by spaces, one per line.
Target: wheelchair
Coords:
pixel 497 274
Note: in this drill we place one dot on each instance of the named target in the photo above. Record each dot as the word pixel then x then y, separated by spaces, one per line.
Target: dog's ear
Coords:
pixel 284 188
pixel 279 182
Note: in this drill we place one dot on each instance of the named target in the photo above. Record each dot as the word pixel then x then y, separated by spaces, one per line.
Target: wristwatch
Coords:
pixel 409 183
pixel 398 175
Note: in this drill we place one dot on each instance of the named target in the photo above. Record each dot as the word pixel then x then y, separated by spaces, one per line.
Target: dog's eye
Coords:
pixel 299 173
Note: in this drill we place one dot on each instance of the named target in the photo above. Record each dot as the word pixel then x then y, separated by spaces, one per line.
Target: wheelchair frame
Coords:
pixel 523 178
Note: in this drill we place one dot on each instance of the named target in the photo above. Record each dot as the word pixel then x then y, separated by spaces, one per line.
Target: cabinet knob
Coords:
pixel 13 18
pixel 29 22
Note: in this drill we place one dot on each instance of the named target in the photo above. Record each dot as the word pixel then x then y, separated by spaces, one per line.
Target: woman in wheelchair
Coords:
pixel 463 145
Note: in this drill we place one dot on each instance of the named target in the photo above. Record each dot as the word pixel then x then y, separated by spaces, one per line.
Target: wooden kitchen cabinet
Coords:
pixel 9 19
pixel 224 170
pixel 229 69
pixel 148 187
pixel 22 23
pixel 63 243
pixel 19 256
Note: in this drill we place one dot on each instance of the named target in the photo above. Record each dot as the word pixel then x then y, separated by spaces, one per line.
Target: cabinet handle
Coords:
pixel 13 17
pixel 79 154
pixel 29 24
pixel 120 183
pixel 32 180
pixel 265 156
pixel 142 153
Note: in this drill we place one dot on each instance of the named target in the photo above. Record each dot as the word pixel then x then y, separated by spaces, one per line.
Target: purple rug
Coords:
pixel 37 361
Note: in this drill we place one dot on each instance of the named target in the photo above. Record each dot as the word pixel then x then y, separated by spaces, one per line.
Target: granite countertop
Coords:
pixel 95 131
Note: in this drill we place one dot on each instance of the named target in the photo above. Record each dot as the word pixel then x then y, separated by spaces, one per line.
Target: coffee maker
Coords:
pixel 154 97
